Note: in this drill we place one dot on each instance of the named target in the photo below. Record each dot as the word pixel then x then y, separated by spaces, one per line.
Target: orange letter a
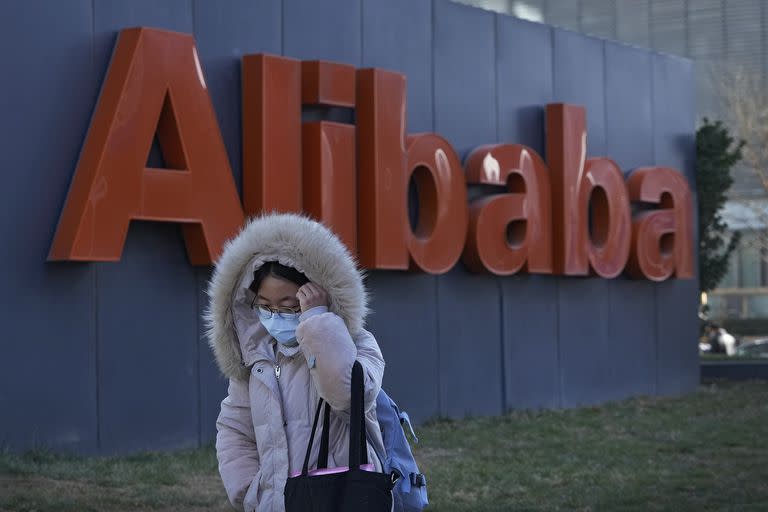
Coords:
pixel 154 83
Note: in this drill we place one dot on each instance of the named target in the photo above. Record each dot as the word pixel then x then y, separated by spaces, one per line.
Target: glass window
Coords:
pixel 750 262
pixel 758 306
pixel 632 22
pixel 667 18
pixel 725 306
pixel 705 30
pixel 598 18
pixel 731 278
pixel 717 306
pixel 734 306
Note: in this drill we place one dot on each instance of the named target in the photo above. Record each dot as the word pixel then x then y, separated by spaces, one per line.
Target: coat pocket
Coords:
pixel 254 494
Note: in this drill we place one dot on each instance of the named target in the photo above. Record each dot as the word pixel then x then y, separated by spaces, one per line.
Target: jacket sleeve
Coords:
pixel 236 444
pixel 330 352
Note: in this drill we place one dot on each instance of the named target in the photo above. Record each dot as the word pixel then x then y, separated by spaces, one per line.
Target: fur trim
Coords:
pixel 293 240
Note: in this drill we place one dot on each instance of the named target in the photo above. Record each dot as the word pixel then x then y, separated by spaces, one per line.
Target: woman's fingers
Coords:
pixel 311 295
pixel 317 290
pixel 311 290
pixel 304 291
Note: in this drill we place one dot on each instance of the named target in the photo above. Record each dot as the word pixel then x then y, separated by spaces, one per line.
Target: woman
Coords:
pixel 286 325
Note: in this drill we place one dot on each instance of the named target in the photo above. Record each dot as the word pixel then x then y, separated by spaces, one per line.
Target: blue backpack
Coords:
pixel 410 491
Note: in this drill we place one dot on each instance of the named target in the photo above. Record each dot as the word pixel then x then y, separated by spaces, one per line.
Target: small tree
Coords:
pixel 744 105
pixel 716 154
pixel 744 101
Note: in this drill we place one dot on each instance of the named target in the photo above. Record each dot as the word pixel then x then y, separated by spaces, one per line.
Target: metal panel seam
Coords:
pixel 96 353
pixel 502 339
pixel 436 279
pixel 656 338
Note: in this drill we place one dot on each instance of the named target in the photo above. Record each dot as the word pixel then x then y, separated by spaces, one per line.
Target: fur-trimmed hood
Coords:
pixel 295 241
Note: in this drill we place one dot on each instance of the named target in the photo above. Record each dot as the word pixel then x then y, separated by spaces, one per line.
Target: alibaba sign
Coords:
pixel 570 215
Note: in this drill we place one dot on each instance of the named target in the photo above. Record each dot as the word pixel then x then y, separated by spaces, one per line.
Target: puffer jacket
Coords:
pixel 266 420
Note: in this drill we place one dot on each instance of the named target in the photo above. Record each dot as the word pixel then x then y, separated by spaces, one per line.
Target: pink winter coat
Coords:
pixel 266 419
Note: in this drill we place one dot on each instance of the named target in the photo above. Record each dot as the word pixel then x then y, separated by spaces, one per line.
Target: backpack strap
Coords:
pixel 405 419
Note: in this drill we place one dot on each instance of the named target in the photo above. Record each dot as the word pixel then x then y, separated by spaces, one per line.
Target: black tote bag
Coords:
pixel 353 490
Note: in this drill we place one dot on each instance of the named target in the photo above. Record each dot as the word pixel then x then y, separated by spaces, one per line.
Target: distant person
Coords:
pixel 720 340
pixel 712 342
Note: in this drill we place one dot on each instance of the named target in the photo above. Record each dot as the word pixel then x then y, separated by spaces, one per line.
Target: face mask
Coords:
pixel 282 329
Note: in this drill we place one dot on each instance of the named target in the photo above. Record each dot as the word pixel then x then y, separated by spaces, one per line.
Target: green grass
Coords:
pixel 41 480
pixel 705 451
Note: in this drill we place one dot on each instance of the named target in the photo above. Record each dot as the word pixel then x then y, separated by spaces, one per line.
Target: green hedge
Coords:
pixel 746 326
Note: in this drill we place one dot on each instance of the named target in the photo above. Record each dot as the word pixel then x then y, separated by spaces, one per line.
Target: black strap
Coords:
pixel 305 468
pixel 358 448
pixel 322 458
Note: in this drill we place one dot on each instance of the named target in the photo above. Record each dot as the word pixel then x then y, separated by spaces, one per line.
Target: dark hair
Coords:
pixel 273 268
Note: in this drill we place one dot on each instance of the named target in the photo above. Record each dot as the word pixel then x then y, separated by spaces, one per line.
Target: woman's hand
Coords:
pixel 311 295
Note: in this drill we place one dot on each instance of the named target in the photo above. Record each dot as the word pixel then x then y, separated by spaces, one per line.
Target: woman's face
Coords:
pixel 278 293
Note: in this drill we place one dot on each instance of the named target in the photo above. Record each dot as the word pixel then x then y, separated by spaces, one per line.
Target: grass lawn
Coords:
pixel 706 451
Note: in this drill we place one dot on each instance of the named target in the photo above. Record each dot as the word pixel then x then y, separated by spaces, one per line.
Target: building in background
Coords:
pixel 726 39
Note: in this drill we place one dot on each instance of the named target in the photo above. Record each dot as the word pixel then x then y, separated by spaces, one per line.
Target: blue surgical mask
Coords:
pixel 282 329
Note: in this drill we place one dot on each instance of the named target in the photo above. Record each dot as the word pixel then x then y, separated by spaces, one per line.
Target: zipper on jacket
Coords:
pixel 278 369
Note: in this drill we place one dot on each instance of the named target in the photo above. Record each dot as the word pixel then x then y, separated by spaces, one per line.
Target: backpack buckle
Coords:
pixel 418 480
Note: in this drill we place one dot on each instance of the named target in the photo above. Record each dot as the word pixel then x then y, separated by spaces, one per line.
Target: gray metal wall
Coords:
pixel 109 358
